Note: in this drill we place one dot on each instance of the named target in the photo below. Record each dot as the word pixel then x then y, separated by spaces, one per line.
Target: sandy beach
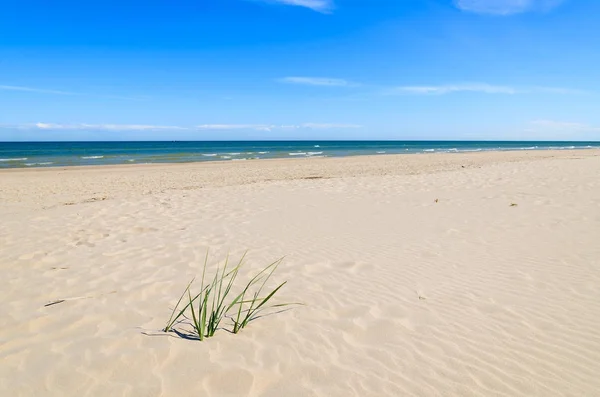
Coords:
pixel 474 274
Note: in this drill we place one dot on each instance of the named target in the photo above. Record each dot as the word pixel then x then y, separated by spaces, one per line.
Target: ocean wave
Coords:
pixel 298 154
pixel 314 153
pixel 471 150
pixel 381 152
pixel 429 150
pixel 234 154
pixel 33 164
pixel 19 159
pixel 209 154
pixel 131 160
pixel 263 152
pixel 92 157
pixel 561 147
pixel 317 146
pixel 225 157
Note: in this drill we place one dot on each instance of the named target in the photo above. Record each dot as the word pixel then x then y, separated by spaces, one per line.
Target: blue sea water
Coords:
pixel 54 154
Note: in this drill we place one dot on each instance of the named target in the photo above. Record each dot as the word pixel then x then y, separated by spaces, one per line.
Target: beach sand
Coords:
pixel 405 296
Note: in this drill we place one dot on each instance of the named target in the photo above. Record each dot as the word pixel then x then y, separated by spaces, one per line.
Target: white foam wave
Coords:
pixel 381 152
pixel 33 164
pixel 19 159
pixel 92 157
pixel 225 157
pixel 263 152
pixel 210 154
pixel 234 154
pixel 298 154
pixel 429 150
pixel 314 153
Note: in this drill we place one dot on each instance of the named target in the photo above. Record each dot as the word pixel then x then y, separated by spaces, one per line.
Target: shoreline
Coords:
pixel 535 153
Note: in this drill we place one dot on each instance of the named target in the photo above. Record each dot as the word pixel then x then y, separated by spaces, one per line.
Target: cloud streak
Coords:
pixel 107 127
pixel 483 88
pixel 505 7
pixel 202 127
pixel 59 92
pixel 322 6
pixel 451 88
pixel 317 81
pixel 34 90
pixel 271 127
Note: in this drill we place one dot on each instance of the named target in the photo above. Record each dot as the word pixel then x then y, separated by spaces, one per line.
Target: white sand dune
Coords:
pixel 405 296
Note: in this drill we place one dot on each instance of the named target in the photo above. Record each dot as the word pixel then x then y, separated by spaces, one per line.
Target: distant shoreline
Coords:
pixel 71 154
pixel 484 157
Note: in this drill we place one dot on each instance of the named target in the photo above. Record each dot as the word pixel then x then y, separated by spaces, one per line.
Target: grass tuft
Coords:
pixel 206 310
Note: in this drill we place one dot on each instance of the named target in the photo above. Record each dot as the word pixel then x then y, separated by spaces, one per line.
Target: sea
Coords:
pixel 64 154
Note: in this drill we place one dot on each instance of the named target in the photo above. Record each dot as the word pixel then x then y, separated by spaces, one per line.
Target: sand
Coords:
pixel 405 296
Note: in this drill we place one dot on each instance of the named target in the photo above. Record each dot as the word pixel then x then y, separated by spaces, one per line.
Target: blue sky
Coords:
pixel 299 69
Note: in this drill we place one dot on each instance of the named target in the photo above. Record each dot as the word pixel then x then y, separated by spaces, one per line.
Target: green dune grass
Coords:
pixel 206 309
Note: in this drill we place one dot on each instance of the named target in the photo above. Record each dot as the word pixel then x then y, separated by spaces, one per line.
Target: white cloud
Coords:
pixel 37 90
pixel 323 6
pixel 319 81
pixel 447 89
pixel 106 127
pixel 270 127
pixel 505 7
pixel 149 127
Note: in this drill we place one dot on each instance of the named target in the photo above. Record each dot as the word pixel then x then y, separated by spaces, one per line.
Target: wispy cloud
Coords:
pixel 480 88
pixel 35 90
pixel 60 92
pixel 271 127
pixel 318 81
pixel 322 6
pixel 151 127
pixel 450 88
pixel 106 127
pixel 505 7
